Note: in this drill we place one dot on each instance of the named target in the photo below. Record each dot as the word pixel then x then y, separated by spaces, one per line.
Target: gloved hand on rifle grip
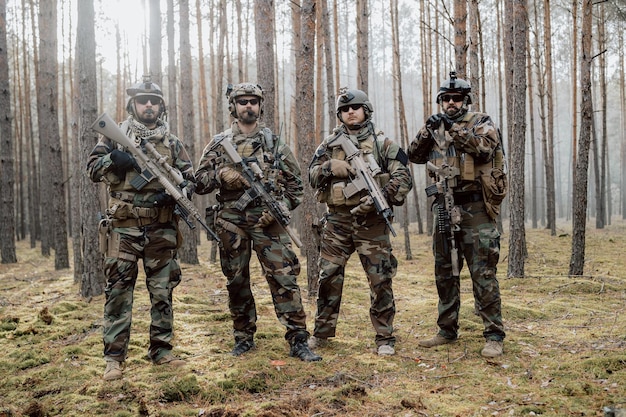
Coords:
pixel 265 220
pixel 434 121
pixel 366 206
pixel 123 162
pixel 163 199
pixel 339 168
pixel 232 179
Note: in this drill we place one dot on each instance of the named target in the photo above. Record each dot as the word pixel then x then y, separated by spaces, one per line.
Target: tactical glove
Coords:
pixel 339 168
pixel 232 179
pixel 434 121
pixel 265 220
pixel 163 199
pixel 366 206
pixel 122 162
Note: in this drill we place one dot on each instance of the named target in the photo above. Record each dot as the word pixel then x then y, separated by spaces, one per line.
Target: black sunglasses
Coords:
pixel 354 107
pixel 454 97
pixel 244 102
pixel 143 100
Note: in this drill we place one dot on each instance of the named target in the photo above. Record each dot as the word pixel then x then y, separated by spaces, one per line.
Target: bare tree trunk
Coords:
pixel 362 45
pixel 155 41
pixel 328 59
pixel 549 156
pixel 306 138
pixel 53 186
pixel 575 87
pixel 399 105
pixel 622 106
pixel 579 200
pixel 517 48
pixel 460 37
pixel 474 75
pixel 172 99
pixel 7 160
pixel 264 28
pixel 92 277
pixel 602 199
pixel 189 250
pixel 531 120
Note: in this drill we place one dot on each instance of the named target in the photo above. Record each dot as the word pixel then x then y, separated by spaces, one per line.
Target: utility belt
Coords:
pixel 239 200
pixel 468 197
pixel 123 213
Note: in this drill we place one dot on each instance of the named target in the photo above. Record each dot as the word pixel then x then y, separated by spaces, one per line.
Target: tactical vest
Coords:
pixel 265 149
pixel 162 147
pixel 332 194
pixel 468 168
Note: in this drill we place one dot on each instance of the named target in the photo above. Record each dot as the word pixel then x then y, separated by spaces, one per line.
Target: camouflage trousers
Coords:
pixel 478 243
pixel 279 263
pixel 368 235
pixel 155 244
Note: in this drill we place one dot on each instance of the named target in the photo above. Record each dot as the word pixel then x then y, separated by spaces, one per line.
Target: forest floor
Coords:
pixel 565 351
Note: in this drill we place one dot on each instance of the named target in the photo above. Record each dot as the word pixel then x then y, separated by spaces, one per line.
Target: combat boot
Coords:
pixel 171 361
pixel 113 370
pixel 438 340
pixel 242 346
pixel 492 348
pixel 300 349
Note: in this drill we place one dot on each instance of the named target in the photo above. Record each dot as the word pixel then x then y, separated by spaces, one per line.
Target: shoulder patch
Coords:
pixel 402 156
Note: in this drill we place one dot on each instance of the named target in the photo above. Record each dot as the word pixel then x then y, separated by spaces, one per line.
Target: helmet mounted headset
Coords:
pixel 146 88
pixel 243 89
pixel 354 98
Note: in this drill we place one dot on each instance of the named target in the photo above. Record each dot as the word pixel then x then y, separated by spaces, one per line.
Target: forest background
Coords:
pixel 550 73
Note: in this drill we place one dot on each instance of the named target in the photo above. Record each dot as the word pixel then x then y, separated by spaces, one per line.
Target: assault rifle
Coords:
pixel 154 166
pixel 253 174
pixel 364 179
pixel 448 215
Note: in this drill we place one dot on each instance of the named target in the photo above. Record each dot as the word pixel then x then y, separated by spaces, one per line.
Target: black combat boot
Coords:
pixel 300 349
pixel 242 346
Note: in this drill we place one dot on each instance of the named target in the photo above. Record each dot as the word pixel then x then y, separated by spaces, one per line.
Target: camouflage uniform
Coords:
pixel 344 233
pixel 145 227
pixel 236 225
pixel 474 141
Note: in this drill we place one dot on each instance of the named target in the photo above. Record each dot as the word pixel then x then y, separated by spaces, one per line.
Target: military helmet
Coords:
pixel 243 89
pixel 145 88
pixel 456 85
pixel 349 97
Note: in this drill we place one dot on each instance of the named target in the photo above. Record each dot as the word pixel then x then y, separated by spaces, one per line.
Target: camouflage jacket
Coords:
pixel 281 171
pixel 100 167
pixel 395 179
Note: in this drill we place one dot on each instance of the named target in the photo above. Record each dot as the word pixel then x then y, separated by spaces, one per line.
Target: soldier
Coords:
pixel 352 224
pixel 463 152
pixel 243 223
pixel 143 225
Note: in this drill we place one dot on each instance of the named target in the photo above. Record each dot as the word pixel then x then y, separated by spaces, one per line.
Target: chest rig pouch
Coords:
pixel 371 149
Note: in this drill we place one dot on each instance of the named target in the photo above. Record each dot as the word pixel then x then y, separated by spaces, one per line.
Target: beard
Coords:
pixel 149 116
pixel 248 117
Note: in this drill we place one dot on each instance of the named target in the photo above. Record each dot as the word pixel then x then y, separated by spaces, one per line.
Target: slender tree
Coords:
pixel 7 159
pixel 549 154
pixel 305 74
pixel 362 44
pixel 155 41
pixel 264 30
pixel 579 200
pixel 189 251
pixel 92 278
pixel 52 186
pixel 517 126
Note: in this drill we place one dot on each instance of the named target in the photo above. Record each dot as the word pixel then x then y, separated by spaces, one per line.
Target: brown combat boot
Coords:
pixel 438 340
pixel 171 360
pixel 113 370
pixel 493 348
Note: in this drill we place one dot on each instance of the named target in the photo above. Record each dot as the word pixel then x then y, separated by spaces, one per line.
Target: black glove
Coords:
pixel 434 121
pixel 163 199
pixel 123 162
pixel 447 123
